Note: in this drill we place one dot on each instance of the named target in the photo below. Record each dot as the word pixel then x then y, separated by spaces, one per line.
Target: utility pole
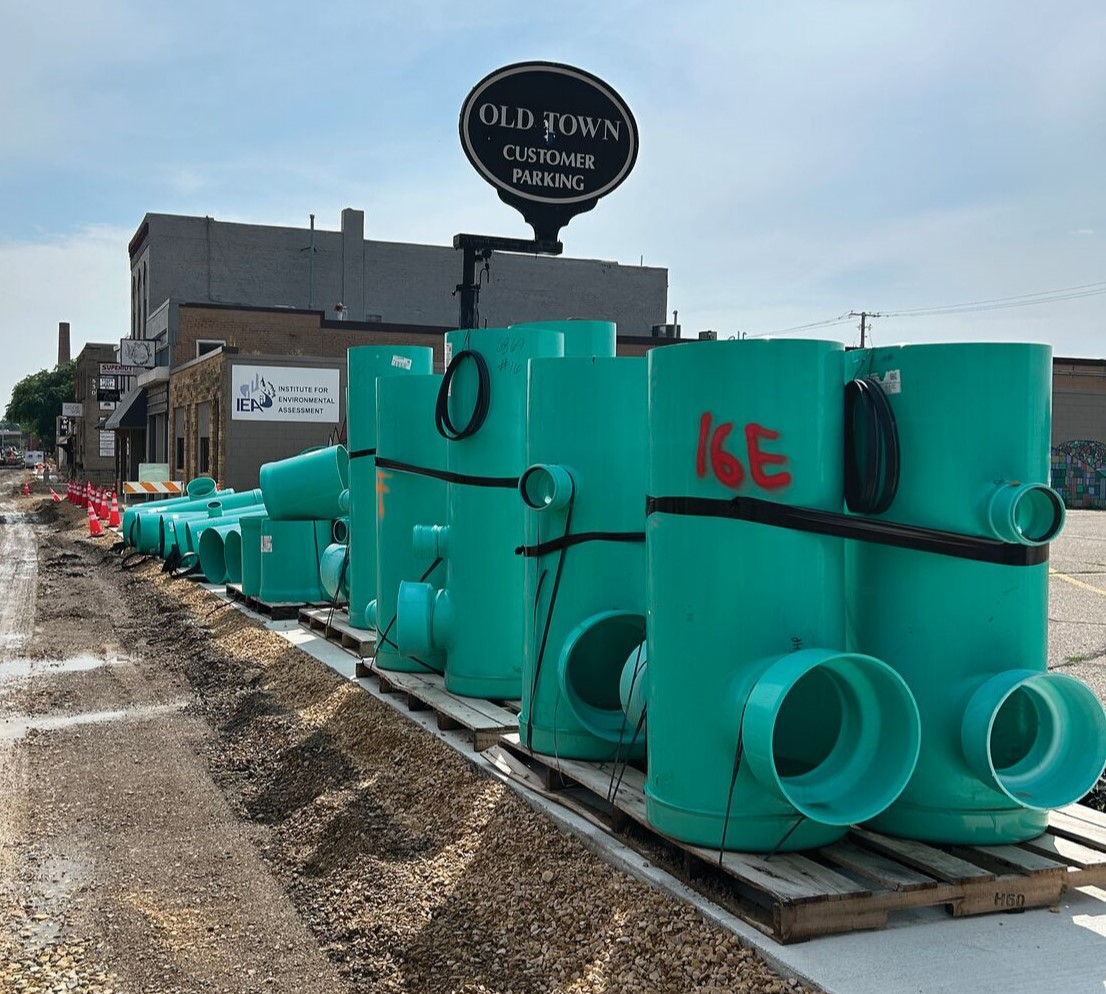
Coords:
pixel 864 315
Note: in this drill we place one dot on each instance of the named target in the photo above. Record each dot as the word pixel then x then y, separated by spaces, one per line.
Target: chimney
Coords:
pixel 63 342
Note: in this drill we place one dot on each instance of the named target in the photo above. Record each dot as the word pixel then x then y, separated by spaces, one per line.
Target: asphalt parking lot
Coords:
pixel 1077 600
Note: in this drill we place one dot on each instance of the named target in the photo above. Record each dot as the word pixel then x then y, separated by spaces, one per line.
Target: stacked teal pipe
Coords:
pixel 763 732
pixel 144 530
pixel 477 618
pixel 200 487
pixel 1002 739
pixel 584 603
pixel 410 503
pixel 174 525
pixel 367 365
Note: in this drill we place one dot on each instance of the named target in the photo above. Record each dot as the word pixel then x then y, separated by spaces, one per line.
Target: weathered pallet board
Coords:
pixel 426 691
pixel 283 611
pixel 856 883
pixel 333 624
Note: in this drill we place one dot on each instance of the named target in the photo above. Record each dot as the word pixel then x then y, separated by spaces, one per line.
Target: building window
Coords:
pixel 205 455
pixel 180 455
pixel 205 345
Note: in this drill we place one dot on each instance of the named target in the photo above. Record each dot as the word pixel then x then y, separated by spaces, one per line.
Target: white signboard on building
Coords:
pixel 107 443
pixel 118 369
pixel 136 352
pixel 284 393
pixel 70 410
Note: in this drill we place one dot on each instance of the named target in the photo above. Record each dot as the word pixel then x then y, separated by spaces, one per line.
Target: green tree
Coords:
pixel 36 400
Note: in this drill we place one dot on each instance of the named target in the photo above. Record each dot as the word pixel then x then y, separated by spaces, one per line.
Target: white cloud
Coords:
pixel 82 278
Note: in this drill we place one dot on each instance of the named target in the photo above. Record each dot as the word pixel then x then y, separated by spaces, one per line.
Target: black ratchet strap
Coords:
pixel 564 541
pixel 505 482
pixel 361 453
pixel 839 525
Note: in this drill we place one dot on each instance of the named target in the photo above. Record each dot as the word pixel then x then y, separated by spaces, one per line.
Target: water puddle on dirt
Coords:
pixel 15 727
pixel 25 669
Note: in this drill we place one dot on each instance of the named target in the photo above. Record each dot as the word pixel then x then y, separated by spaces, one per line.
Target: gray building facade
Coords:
pixel 199 259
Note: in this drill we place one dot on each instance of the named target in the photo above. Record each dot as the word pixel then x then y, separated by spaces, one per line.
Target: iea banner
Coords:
pixel 285 393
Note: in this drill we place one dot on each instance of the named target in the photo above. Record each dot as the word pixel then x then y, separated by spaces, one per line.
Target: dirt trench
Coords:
pixel 244 819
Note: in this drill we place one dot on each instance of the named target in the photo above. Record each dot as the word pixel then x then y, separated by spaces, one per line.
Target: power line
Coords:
pixel 1001 303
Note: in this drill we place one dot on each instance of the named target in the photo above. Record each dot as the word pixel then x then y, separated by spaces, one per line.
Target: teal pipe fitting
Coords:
pixel 756 709
pixel 251 555
pixel 1025 513
pixel 407 550
pixel 290 553
pixel 999 745
pixel 232 554
pixel 1039 738
pixel 200 486
pixel 190 529
pixel 546 487
pixel 484 576
pixel 344 500
pixel 430 542
pixel 586 454
pixel 214 509
pixel 583 339
pixel 425 619
pixel 833 734
pixel 369 367
pixel 340 531
pixel 334 572
pixel 307 487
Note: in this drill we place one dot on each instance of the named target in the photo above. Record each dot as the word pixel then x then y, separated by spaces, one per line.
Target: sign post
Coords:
pixel 552 139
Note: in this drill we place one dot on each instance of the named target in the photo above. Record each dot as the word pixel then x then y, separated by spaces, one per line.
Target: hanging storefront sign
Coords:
pixel 552 139
pixel 107 443
pixel 118 369
pixel 285 393
pixel 136 353
pixel 72 410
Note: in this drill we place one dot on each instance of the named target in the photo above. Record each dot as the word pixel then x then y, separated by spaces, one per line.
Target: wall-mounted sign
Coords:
pixel 284 393
pixel 107 443
pixel 137 352
pixel 70 410
pixel 552 140
pixel 118 369
pixel 107 396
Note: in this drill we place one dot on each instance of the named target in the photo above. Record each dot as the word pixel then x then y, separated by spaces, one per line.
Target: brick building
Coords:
pixel 1079 431
pixel 90 449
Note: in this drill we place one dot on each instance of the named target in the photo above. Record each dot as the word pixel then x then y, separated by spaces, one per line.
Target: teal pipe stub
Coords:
pixel 201 486
pixel 430 542
pixel 340 531
pixel 1039 738
pixel 371 613
pixel 590 668
pixel 214 509
pixel 424 619
pixel 1026 513
pixel 307 487
pixel 546 487
pixel 334 572
pixel 834 734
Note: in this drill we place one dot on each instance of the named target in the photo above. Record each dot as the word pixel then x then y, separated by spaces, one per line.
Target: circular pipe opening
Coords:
pixel 836 735
pixel 232 556
pixel 590 671
pixel 1028 514
pixel 200 487
pixel 546 487
pixel 212 556
pixel 1039 738
pixel 340 532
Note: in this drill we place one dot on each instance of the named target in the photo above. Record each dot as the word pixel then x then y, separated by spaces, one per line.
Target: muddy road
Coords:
pixel 188 803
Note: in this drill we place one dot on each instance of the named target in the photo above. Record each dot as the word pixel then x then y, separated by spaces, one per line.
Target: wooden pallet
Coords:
pixel 856 883
pixel 333 624
pixel 280 611
pixel 487 721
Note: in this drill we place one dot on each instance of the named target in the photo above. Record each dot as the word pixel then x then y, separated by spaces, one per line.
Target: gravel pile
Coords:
pixel 414 871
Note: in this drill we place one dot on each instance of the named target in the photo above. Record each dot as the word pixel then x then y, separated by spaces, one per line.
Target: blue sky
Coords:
pixel 798 160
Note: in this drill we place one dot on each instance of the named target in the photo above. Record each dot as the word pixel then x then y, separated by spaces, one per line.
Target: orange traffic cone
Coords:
pixel 55 495
pixel 95 529
pixel 26 489
pixel 113 516
pixel 102 509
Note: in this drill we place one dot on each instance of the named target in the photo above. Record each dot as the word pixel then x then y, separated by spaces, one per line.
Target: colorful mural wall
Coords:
pixel 1079 473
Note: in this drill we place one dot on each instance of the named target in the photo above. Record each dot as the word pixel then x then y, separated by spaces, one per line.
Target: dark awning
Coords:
pixel 131 412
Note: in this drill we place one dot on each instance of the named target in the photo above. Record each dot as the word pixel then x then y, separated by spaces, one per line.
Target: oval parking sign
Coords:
pixel 552 139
